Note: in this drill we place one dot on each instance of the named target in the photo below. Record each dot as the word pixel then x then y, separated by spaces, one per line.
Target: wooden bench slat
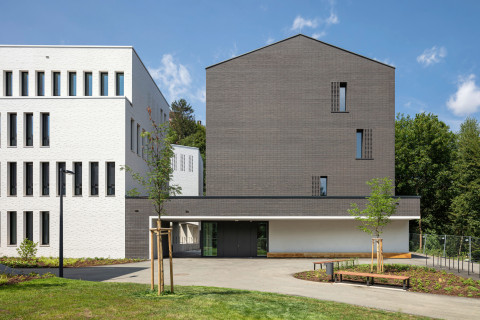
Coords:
pixel 329 261
pixel 373 275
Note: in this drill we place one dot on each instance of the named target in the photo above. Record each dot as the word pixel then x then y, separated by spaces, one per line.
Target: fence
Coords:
pixel 448 251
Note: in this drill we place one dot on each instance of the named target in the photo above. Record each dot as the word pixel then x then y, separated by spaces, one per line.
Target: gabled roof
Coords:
pixel 301 35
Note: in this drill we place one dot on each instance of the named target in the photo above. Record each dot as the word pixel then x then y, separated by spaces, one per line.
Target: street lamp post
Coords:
pixel 60 257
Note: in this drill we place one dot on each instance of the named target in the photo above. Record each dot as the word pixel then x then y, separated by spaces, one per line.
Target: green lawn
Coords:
pixel 60 298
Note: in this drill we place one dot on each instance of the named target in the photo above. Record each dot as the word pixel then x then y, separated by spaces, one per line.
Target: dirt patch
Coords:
pixel 422 279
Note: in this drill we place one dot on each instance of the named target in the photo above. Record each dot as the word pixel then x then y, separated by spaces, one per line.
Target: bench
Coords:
pixel 329 261
pixel 405 279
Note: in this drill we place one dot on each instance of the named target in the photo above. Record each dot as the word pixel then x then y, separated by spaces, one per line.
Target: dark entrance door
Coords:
pixel 237 239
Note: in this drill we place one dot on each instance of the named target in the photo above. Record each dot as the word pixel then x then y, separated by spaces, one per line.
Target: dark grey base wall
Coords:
pixel 137 213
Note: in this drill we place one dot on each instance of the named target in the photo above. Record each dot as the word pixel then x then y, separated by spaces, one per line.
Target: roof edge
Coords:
pixel 62 46
pixel 301 35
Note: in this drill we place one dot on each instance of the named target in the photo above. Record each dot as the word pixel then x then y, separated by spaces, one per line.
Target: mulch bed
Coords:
pixel 12 279
pixel 422 279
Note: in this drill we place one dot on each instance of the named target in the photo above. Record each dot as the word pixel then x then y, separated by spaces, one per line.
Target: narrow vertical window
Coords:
pixel 29 129
pixel 28 178
pixel 110 178
pixel 94 178
pixel 143 143
pixel 343 96
pixel 40 84
pixel 138 139
pixel 12 227
pixel 12 178
pixel 323 186
pixel 164 117
pixel 24 75
pixel 132 130
pixel 104 84
pixel 182 162
pixel 119 84
pixel 56 83
pixel 78 178
pixel 209 235
pixel 88 83
pixel 60 166
pixel 12 129
pixel 45 128
pixel 161 115
pixel 190 163
pixel 28 222
pixel 359 144
pixel 45 178
pixel 45 228
pixel 72 84
pixel 8 83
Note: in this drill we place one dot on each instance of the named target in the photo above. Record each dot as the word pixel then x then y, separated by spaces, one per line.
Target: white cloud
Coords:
pixel 467 98
pixel 432 56
pixel 270 40
pixel 299 23
pixel 175 81
pixel 332 19
pixel 386 61
pixel 318 35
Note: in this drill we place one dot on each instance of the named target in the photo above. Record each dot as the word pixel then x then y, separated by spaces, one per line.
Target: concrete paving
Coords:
pixel 275 275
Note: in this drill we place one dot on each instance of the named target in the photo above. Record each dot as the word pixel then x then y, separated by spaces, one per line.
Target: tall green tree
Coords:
pixel 424 153
pixel 182 121
pixel 466 204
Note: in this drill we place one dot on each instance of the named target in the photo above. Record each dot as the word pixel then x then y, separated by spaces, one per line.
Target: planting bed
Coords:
pixel 422 279
pixel 44 262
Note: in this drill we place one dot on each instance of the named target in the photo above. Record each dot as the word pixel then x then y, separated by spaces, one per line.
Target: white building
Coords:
pixel 82 108
pixel 187 164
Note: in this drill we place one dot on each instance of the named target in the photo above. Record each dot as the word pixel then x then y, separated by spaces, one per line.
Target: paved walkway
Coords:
pixel 275 275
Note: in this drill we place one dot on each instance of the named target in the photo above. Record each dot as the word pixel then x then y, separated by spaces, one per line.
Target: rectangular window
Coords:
pixel 56 83
pixel 94 178
pixel 24 75
pixel 45 167
pixel 110 178
pixel 45 128
pixel 77 178
pixel 132 131
pixel 104 84
pixel 174 162
pixel 45 228
pixel 339 97
pixel 262 239
pixel 12 129
pixel 182 162
pixel 364 144
pixel 40 84
pixel 29 129
pixel 72 84
pixel 28 178
pixel 209 241
pixel 12 178
pixel 190 163
pixel 28 225
pixel 138 139
pixel 323 186
pixel 119 84
pixel 12 227
pixel 8 83
pixel 61 184
pixel 88 83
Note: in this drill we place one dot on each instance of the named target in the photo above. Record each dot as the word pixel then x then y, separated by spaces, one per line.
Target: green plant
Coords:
pixel 27 249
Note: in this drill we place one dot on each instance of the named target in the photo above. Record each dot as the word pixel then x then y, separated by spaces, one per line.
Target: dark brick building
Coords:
pixel 295 129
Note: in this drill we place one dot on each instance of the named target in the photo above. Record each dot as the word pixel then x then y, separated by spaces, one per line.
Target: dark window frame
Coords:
pixel 12 129
pixel 60 165
pixel 56 83
pixel 8 83
pixel 44 228
pixel 110 170
pixel 78 183
pixel 94 178
pixel 29 129
pixel 24 83
pixel 45 128
pixel 28 225
pixel 88 84
pixel 120 84
pixel 28 178
pixel 12 228
pixel 12 178
pixel 104 84
pixel 45 178
pixel 72 88
pixel 40 83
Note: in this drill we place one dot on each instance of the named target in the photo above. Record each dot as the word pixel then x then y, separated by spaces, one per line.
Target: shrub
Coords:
pixel 27 249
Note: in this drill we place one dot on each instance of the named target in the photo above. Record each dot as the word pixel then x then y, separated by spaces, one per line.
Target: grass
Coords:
pixel 422 279
pixel 69 299
pixel 51 262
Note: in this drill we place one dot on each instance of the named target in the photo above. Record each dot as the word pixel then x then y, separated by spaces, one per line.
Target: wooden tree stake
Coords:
pixel 152 282
pixel 159 241
pixel 171 258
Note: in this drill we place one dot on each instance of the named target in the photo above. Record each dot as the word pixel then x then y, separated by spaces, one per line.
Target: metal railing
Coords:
pixel 447 251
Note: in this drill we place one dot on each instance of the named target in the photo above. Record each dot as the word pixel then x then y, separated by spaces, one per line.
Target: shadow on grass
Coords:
pixel 149 294
pixel 88 273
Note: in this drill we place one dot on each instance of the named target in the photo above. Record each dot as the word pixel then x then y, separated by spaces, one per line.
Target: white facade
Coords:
pixel 187 167
pixel 85 129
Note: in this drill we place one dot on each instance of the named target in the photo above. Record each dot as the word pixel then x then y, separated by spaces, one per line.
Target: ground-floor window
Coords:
pixel 45 228
pixel 262 239
pixel 209 240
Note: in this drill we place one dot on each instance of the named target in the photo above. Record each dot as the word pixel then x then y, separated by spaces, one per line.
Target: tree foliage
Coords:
pixel 466 204
pixel 156 181
pixel 182 121
pixel 380 206
pixel 424 152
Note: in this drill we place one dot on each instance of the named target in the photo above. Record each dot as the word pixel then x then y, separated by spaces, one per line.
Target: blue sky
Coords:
pixel 434 45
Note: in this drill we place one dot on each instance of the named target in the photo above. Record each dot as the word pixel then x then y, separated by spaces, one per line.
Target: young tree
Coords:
pixel 380 206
